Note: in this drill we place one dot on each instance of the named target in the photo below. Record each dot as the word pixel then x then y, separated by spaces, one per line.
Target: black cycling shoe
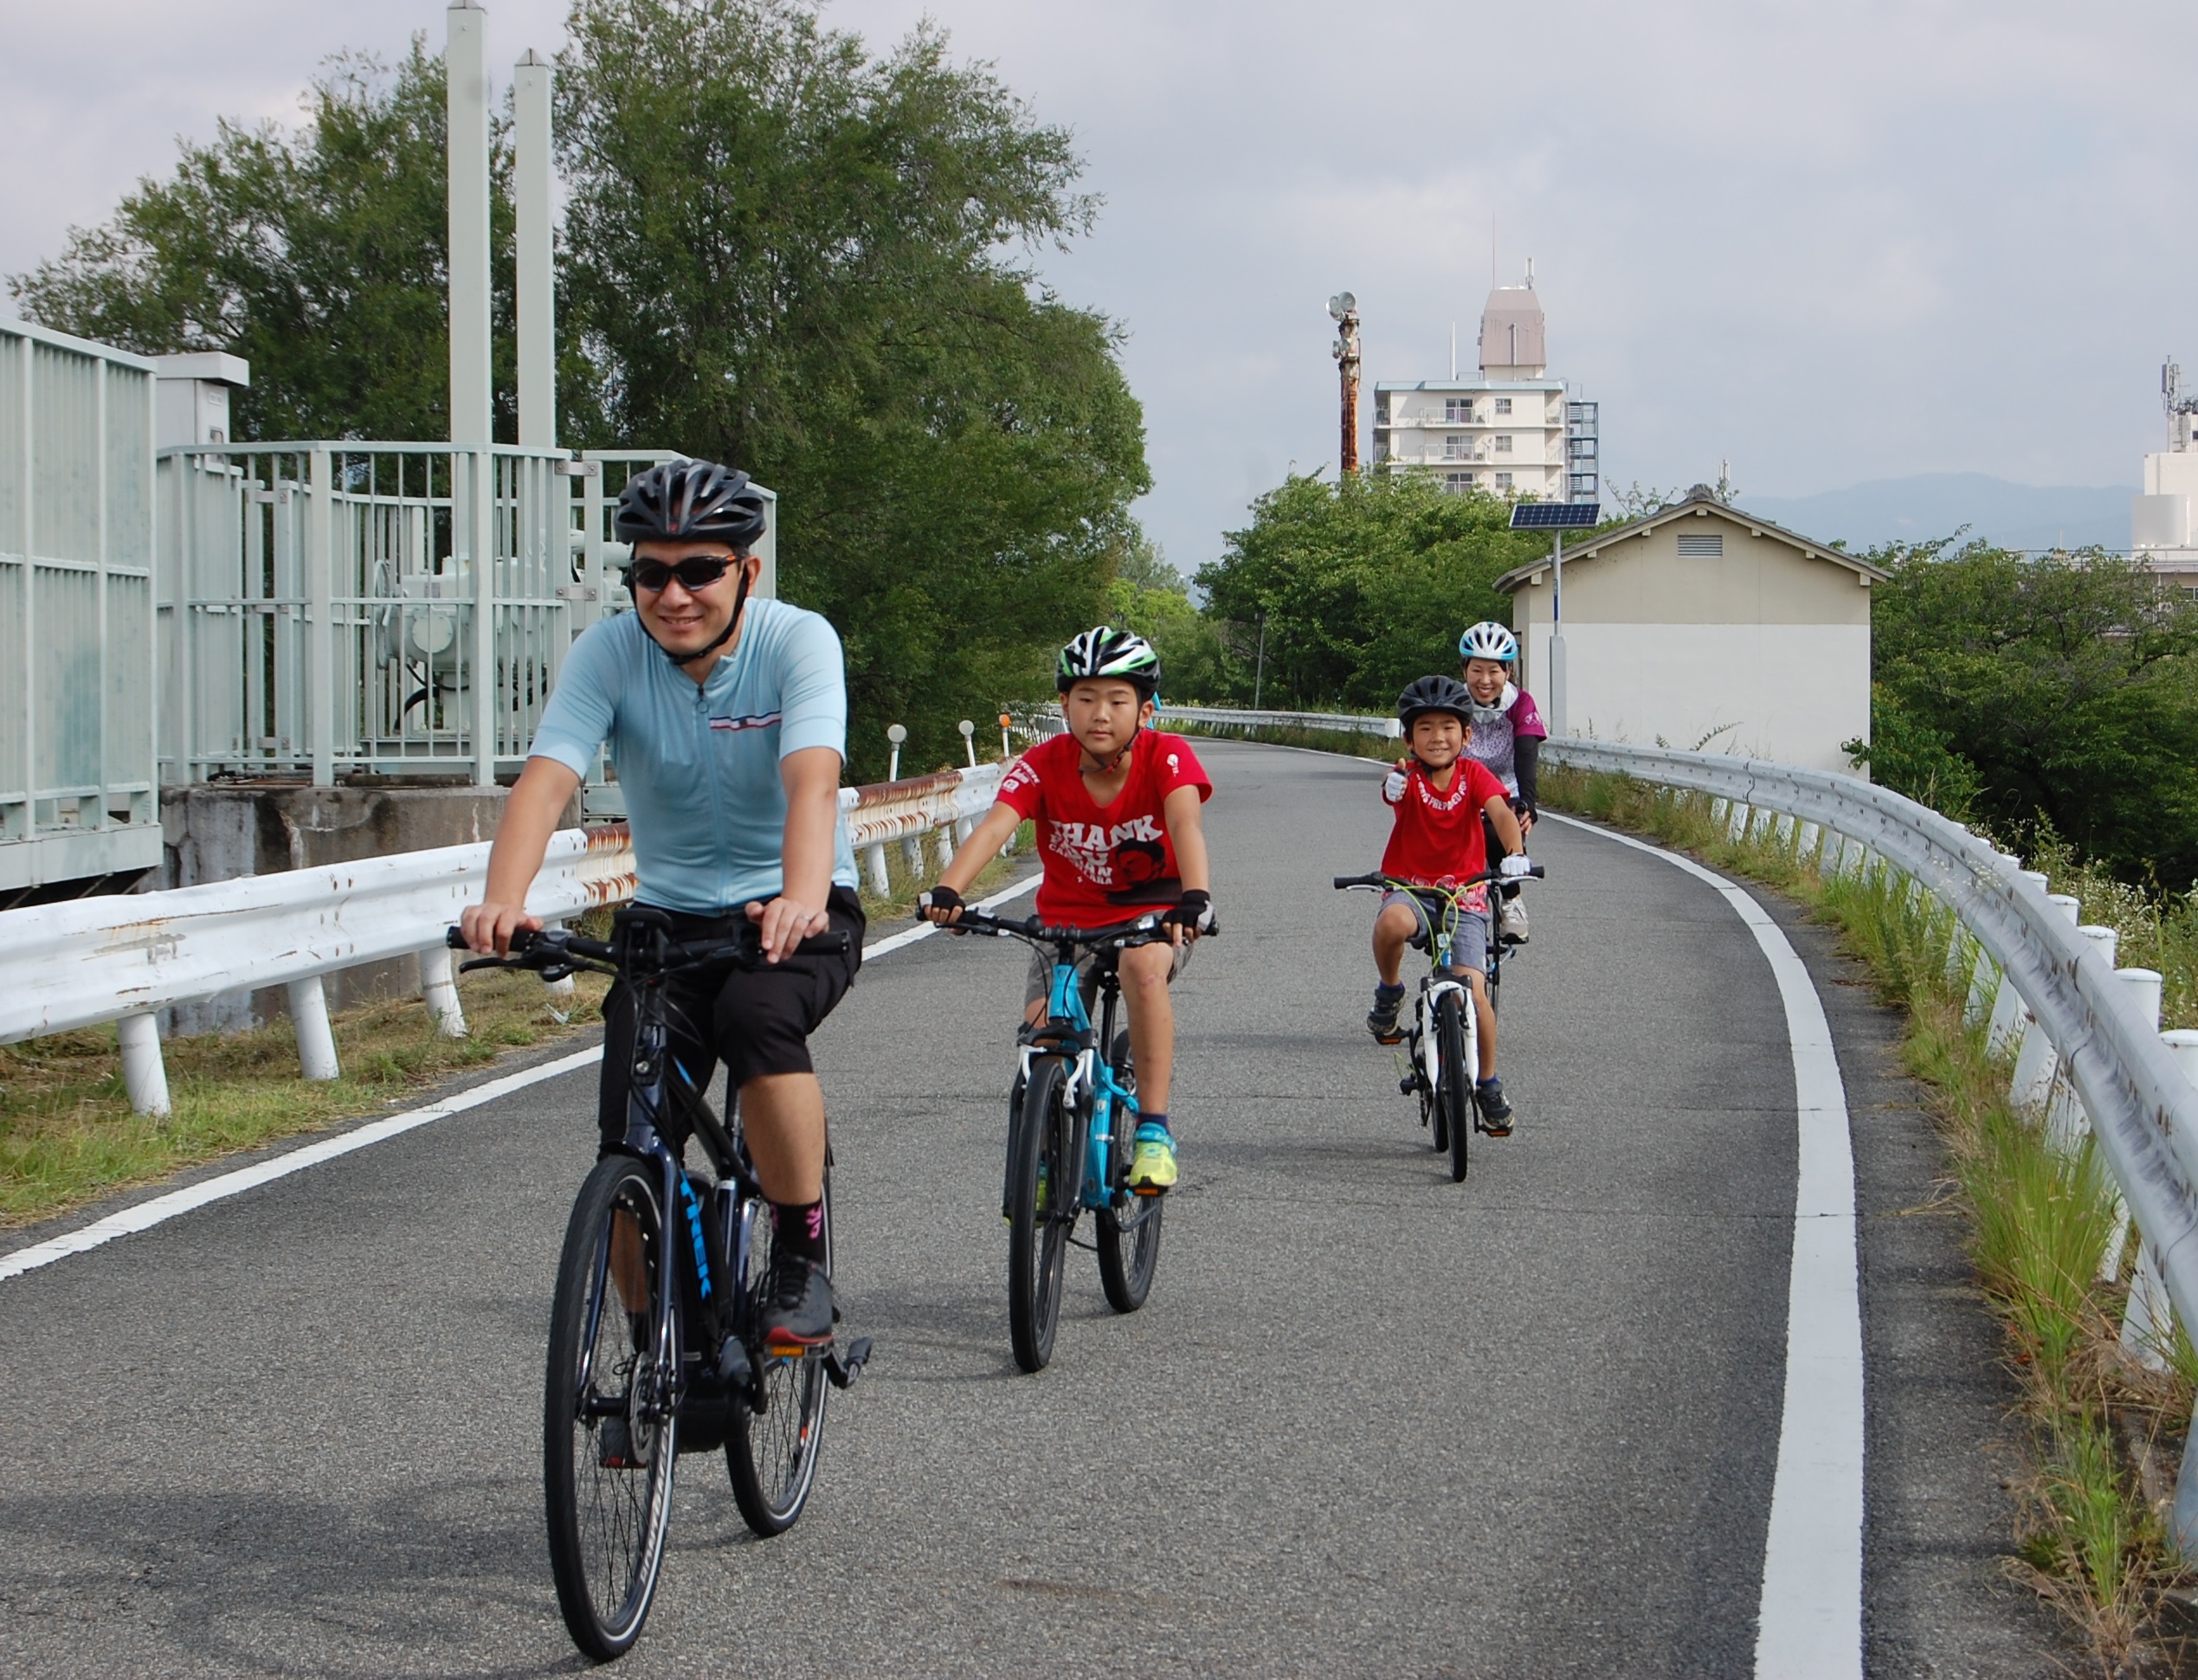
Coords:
pixel 797 1315
pixel 1495 1108
pixel 1381 1019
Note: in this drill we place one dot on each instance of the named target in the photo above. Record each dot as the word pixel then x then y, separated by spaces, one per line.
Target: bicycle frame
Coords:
pixel 1095 1095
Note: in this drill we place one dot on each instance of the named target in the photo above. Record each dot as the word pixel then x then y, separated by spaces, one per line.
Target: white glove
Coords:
pixel 1393 786
pixel 1513 866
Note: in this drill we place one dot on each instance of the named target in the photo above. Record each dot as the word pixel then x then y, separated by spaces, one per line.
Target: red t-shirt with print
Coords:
pixel 1103 863
pixel 1437 840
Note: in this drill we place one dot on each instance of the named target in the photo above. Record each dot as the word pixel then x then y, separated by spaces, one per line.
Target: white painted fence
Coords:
pixel 948 804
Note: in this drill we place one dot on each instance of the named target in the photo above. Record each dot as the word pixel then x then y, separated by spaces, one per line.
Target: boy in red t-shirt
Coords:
pixel 1439 794
pixel 1116 806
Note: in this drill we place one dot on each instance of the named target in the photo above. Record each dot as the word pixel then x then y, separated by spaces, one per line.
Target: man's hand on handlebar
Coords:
pixel 785 923
pixel 488 928
pixel 942 904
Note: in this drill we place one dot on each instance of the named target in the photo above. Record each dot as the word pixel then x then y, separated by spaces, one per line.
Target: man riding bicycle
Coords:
pixel 726 720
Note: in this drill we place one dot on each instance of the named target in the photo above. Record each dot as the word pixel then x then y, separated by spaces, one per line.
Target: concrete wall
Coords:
pixel 218 831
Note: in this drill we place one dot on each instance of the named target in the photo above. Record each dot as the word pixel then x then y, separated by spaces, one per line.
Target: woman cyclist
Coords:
pixel 1505 732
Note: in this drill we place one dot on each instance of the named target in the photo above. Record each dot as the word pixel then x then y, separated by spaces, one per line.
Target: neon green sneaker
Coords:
pixel 1152 1169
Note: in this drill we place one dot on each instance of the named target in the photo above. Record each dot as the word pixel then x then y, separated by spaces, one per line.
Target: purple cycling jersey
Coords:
pixel 1493 733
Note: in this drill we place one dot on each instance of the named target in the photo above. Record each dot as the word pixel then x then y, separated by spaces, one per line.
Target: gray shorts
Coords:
pixel 1038 986
pixel 1468 941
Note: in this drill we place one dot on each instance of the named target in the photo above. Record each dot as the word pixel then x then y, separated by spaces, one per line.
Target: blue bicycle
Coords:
pixel 1071 1132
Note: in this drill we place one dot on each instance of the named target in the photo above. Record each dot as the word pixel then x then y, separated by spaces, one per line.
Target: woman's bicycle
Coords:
pixel 1442 1046
pixel 1072 1134
pixel 656 1347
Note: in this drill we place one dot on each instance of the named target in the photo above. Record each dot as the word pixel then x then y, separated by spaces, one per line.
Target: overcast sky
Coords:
pixel 1826 242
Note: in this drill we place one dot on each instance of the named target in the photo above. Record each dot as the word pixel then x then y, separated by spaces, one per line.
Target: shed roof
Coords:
pixel 1700 500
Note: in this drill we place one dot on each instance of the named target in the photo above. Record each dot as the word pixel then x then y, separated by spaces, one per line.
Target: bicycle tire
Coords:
pixel 607 1525
pixel 1127 1259
pixel 1432 1114
pixel 1037 1233
pixel 1453 1096
pixel 771 1451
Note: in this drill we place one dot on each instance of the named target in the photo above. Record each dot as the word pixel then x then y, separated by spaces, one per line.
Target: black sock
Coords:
pixel 799 1228
pixel 1154 1117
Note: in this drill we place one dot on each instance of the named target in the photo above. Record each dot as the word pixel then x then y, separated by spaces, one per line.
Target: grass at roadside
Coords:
pixel 2105 1433
pixel 67 1134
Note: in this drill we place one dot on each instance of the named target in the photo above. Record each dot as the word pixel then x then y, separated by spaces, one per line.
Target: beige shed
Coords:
pixel 1702 628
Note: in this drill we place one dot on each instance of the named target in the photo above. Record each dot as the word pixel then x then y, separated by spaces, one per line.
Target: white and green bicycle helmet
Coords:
pixel 1104 651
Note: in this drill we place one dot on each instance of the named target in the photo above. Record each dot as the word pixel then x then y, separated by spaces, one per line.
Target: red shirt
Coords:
pixel 1103 863
pixel 1437 838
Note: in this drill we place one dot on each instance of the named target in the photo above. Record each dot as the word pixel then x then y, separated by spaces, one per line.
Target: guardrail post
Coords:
pixel 945 845
pixel 144 1076
pixel 874 857
pixel 439 991
pixel 2035 1059
pixel 309 1017
pixel 911 854
pixel 1805 848
pixel 2148 1322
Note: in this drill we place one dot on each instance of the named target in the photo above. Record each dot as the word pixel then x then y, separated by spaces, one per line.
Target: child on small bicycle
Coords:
pixel 1116 805
pixel 1505 732
pixel 1440 796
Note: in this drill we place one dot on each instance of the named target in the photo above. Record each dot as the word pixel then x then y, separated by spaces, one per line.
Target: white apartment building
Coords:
pixel 2163 521
pixel 1509 432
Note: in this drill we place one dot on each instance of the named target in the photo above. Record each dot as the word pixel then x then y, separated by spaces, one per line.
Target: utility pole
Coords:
pixel 1259 671
pixel 1344 309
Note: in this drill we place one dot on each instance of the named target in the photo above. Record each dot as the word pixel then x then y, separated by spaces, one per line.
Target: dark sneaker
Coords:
pixel 797 1313
pixel 1495 1108
pixel 1380 1020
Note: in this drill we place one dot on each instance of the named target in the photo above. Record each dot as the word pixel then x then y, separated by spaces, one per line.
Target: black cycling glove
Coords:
pixel 1194 911
pixel 939 898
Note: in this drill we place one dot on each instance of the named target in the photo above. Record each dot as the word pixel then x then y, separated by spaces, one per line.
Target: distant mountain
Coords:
pixel 1933 504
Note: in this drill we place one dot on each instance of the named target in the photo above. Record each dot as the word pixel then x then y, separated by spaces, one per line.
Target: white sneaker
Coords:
pixel 1510 922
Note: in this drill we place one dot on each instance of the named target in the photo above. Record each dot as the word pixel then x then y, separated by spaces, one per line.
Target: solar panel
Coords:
pixel 1555 516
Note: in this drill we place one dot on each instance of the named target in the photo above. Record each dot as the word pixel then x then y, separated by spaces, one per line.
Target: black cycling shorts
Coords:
pixel 755 1022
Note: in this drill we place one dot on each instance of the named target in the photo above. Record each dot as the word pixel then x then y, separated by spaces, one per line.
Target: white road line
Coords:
pixel 1810 1620
pixel 160 1209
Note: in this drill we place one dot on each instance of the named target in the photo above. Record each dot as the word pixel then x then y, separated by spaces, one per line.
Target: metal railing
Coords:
pixel 77 561
pixel 2089 1055
pixel 948 805
pixel 1230 718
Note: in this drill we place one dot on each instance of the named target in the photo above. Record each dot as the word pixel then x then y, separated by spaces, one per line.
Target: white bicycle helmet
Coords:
pixel 1488 641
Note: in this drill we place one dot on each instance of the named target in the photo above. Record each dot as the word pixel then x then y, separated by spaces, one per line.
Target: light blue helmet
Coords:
pixel 1488 641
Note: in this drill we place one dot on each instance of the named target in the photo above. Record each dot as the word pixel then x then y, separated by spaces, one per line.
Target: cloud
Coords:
pixel 1831 243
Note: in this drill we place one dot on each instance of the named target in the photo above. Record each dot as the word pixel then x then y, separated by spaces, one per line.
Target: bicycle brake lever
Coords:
pixel 482 962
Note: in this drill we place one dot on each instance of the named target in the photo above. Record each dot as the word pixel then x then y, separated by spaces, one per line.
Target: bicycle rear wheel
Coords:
pixel 609 1433
pixel 771 1451
pixel 1454 1093
pixel 1127 1258
pixel 1039 1177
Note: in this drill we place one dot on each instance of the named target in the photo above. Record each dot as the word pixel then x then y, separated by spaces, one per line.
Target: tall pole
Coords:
pixel 465 66
pixel 1259 671
pixel 538 329
pixel 1557 638
pixel 1346 355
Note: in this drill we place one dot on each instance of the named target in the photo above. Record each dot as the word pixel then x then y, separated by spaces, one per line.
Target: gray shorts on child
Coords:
pixel 1468 943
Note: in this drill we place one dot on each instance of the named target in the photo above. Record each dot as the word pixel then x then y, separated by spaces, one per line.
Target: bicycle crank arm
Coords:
pixel 844 1371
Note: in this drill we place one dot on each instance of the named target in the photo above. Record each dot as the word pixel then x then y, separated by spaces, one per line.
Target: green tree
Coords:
pixel 2070 684
pixel 321 256
pixel 1362 585
pixel 1149 595
pixel 785 253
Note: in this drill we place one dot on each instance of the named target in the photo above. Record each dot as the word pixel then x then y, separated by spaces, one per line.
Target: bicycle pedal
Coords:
pixel 1497 1128
pixel 1406 1086
pixel 843 1370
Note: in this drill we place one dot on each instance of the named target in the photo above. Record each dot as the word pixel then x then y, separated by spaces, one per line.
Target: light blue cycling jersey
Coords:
pixel 699 763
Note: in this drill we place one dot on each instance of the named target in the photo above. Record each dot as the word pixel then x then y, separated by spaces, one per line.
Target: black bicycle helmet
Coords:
pixel 1434 694
pixel 691 501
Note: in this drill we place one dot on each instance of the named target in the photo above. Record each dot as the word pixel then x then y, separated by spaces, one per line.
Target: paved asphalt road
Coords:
pixel 1371 1422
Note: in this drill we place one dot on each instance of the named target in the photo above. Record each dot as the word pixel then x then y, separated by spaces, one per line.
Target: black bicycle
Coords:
pixel 1442 1062
pixel 656 1347
pixel 1072 1135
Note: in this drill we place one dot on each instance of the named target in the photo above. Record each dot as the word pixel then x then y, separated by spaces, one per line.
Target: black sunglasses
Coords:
pixel 696 572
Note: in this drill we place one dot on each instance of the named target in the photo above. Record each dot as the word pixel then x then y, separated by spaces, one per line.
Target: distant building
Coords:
pixel 1702 628
pixel 1510 432
pixel 2163 521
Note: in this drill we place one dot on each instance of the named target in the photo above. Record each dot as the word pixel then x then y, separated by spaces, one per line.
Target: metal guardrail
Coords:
pixel 948 804
pixel 1339 723
pixel 2091 1053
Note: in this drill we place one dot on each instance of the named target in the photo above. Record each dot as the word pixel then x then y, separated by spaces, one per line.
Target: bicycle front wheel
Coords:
pixel 1040 1178
pixel 777 1433
pixel 610 1432
pixel 1453 1092
pixel 1127 1258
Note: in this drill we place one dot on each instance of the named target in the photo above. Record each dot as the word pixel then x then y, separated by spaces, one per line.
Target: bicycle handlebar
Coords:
pixel 1344 883
pixel 1145 929
pixel 560 949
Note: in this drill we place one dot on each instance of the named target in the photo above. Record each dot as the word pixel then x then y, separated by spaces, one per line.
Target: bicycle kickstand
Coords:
pixel 844 1370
